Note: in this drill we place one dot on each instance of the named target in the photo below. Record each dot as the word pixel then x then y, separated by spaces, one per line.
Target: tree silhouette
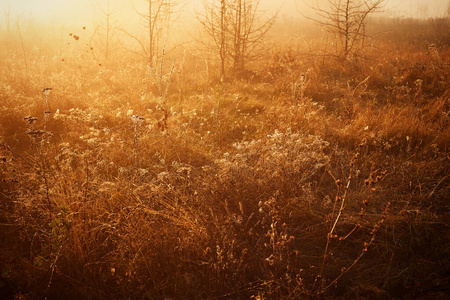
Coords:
pixel 237 28
pixel 156 21
pixel 104 33
pixel 347 20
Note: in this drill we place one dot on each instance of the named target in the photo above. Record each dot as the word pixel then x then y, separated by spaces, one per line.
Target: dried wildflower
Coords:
pixel 137 120
pixel 31 120
pixel 46 91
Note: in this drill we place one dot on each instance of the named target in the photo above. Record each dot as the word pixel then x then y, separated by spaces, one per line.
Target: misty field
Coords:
pixel 305 176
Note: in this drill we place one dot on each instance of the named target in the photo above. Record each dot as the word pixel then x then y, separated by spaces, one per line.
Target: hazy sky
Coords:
pixel 77 12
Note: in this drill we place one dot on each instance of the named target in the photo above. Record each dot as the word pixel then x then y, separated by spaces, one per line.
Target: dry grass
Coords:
pixel 314 178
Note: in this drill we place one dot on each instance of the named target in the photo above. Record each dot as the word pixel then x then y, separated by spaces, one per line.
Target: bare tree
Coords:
pixel 347 20
pixel 236 27
pixel 108 32
pixel 214 22
pixel 108 38
pixel 156 20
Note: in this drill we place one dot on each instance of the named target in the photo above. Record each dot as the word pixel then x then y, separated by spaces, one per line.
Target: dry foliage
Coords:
pixel 314 178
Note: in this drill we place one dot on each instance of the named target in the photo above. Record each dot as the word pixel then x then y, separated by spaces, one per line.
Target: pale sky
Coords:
pixel 78 12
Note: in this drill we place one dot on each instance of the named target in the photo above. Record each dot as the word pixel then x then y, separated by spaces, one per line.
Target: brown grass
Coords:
pixel 271 187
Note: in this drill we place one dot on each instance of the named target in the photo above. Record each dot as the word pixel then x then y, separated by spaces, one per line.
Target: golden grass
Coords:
pixel 271 187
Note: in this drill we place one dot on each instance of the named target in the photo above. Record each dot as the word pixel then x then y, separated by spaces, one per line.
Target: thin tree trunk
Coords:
pixel 238 37
pixel 108 14
pixel 347 29
pixel 150 28
pixel 222 37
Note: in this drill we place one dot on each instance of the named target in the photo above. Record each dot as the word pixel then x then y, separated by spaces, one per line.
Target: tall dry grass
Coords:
pixel 312 178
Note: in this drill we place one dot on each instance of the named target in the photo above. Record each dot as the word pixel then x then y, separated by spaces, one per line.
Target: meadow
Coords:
pixel 308 177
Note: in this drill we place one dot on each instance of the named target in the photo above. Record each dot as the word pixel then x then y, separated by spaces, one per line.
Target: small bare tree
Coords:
pixel 347 20
pixel 237 28
pixel 106 36
pixel 215 25
pixel 156 18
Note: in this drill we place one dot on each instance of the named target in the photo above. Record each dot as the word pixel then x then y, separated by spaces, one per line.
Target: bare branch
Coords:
pixel 236 27
pixel 347 20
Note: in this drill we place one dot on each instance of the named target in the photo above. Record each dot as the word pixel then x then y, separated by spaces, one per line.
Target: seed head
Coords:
pixel 30 119
pixel 47 91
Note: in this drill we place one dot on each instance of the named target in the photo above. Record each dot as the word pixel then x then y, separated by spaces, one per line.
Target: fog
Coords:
pixel 84 12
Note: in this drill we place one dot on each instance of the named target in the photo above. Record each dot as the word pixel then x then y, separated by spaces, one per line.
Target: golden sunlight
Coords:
pixel 224 149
